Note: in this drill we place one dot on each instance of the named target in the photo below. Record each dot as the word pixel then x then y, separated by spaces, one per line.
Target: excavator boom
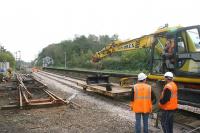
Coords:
pixel 117 46
pixel 145 41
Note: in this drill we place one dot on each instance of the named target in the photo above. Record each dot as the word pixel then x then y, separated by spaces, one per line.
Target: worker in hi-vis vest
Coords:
pixel 168 103
pixel 141 102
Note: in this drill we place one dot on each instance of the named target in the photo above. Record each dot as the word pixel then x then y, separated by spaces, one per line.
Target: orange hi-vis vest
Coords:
pixel 142 98
pixel 172 104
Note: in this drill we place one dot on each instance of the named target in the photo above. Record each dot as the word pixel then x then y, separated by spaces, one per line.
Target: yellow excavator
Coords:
pixel 181 56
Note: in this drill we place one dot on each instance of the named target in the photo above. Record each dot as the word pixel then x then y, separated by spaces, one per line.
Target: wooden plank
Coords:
pixel 115 89
pixel 41 103
pixel 39 100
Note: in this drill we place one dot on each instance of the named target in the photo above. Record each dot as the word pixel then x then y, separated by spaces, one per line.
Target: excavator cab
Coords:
pixel 187 51
pixel 184 59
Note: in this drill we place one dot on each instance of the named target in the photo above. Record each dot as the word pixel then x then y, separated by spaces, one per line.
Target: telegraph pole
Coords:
pixel 18 58
pixel 65 60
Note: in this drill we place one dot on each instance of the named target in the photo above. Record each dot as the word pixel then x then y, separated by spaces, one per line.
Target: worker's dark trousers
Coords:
pixel 167 121
pixel 145 117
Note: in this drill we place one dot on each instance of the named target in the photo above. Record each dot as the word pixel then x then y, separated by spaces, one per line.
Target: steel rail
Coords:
pixel 25 97
pixel 20 98
pixel 54 98
pixel 23 86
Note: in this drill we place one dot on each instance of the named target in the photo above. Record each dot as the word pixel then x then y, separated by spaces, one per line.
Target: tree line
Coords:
pixel 78 54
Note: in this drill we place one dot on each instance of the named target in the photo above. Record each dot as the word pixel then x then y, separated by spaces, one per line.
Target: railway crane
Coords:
pixel 182 57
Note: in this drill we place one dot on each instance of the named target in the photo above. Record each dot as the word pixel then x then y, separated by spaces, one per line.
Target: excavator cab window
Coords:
pixel 157 59
pixel 181 48
pixel 194 35
pixel 181 45
pixel 187 51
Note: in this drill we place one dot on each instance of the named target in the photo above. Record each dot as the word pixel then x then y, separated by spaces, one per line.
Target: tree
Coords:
pixel 6 56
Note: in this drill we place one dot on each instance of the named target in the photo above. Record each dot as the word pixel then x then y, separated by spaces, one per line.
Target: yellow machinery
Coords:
pixel 183 61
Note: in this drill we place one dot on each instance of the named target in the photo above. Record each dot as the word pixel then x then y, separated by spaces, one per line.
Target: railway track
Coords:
pixel 33 93
pixel 180 106
pixel 73 84
pixel 187 121
pixel 192 100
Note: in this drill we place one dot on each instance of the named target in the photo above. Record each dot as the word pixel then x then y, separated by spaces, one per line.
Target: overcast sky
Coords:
pixel 30 25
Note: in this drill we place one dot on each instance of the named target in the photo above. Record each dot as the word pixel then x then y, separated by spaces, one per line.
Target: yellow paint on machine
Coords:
pixel 191 66
pixel 177 79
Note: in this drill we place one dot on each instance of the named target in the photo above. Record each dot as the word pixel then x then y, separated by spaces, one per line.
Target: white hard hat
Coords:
pixel 142 76
pixel 169 74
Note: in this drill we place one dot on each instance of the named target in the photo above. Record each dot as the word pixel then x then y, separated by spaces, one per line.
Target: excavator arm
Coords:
pixel 145 41
pixel 117 46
